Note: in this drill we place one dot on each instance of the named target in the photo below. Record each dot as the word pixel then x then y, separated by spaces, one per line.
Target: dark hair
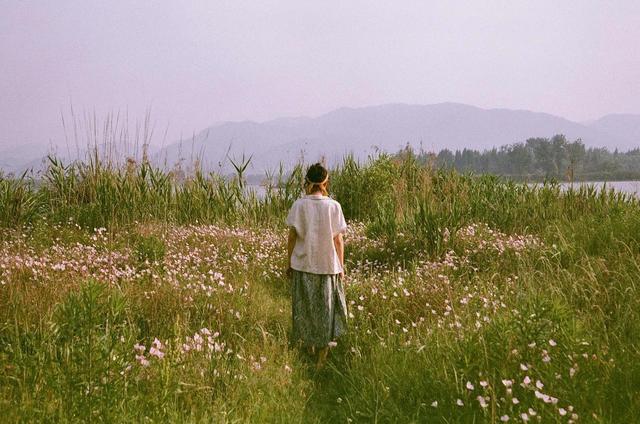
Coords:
pixel 316 175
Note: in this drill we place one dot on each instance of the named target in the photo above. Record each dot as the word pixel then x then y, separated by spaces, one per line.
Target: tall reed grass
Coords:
pixel 393 196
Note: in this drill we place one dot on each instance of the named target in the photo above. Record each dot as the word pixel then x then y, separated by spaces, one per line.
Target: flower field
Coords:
pixel 128 297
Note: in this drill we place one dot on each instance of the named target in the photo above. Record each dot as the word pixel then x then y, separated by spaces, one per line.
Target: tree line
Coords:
pixel 541 158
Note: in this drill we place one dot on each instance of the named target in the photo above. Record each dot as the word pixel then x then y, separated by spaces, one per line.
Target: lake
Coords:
pixel 630 187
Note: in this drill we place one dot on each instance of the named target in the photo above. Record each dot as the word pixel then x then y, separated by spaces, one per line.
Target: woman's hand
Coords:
pixel 291 243
pixel 338 243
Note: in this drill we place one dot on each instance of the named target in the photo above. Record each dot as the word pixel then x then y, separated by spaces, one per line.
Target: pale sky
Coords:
pixel 200 62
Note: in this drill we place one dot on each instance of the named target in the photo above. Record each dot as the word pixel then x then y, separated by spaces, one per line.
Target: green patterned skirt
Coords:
pixel 319 308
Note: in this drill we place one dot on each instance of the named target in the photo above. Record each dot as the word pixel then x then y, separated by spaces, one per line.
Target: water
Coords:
pixel 629 187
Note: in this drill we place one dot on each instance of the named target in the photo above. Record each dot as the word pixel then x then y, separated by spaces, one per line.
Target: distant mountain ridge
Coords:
pixel 624 126
pixel 389 127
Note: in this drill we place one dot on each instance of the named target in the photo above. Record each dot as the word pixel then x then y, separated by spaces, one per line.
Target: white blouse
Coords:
pixel 317 219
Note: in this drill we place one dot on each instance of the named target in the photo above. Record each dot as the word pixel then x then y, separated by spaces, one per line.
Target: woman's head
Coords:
pixel 317 179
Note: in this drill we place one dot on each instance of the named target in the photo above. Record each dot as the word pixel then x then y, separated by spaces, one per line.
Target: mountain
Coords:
pixel 380 128
pixel 625 127
pixel 366 130
pixel 13 159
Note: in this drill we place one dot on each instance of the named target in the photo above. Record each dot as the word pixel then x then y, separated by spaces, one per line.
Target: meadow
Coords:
pixel 127 295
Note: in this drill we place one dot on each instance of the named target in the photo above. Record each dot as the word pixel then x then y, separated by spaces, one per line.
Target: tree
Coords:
pixel 543 155
pixel 575 155
pixel 520 159
pixel 446 159
pixel 559 153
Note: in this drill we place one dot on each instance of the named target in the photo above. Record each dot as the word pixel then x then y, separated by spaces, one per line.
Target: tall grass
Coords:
pixel 96 194
pixel 393 196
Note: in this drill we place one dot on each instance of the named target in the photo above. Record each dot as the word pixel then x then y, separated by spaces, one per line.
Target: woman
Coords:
pixel 316 266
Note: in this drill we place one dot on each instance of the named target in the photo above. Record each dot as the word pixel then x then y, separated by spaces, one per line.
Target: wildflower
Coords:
pixel 143 361
pixel 469 386
pixel 562 411
pixel 156 352
pixel 434 404
pixel 507 383
pixel 524 416
pixel 459 402
pixel 523 367
pixel 482 401
pixel 515 401
pixel 484 384
pixel 539 384
pixel 157 344
pixel 545 398
pixel 333 344
pixel 552 343
pixel 504 418
pixel 527 380
pixel 139 348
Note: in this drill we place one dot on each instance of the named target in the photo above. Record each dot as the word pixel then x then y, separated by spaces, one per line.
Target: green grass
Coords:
pixel 458 286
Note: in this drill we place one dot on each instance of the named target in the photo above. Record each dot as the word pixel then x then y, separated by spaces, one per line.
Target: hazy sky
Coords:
pixel 199 62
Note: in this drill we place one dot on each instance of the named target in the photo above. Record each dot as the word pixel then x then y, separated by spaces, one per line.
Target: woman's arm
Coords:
pixel 291 243
pixel 338 242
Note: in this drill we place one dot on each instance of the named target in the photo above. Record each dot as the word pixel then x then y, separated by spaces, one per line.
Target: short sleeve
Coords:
pixel 338 223
pixel 293 218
